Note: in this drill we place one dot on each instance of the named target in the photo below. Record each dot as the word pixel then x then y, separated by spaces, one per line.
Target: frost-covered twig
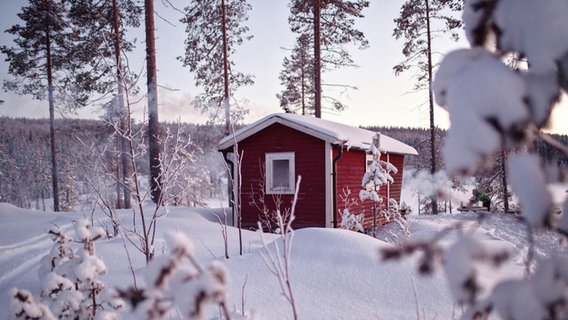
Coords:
pixel 416 300
pixel 243 297
pixel 234 175
pixel 268 212
pixel 224 232
pixel 349 220
pixel 178 280
pixel 279 263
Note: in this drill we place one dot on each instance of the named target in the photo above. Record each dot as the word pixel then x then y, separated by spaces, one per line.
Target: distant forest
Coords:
pixel 420 139
pixel 87 153
pixel 88 148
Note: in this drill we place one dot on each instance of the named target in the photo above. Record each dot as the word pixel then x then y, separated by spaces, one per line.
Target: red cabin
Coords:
pixel 330 157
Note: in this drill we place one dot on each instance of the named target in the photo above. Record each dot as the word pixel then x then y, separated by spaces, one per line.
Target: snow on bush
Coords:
pixel 479 111
pixel 177 280
pixel 23 306
pixel 379 174
pixel 529 184
pixel 491 107
pixel 352 221
pixel 69 278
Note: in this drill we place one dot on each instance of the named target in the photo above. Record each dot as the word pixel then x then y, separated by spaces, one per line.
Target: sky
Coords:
pixel 381 98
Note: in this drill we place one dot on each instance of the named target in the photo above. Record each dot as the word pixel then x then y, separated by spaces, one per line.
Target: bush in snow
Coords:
pixel 379 174
pixel 492 106
pixel 177 280
pixel 69 278
pixel 349 220
pixel 23 306
pixel 352 221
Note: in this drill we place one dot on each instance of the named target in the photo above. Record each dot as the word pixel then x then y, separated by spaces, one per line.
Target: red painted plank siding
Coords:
pixel 309 163
pixel 350 170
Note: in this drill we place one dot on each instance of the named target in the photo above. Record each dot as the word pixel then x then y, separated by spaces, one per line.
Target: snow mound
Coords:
pixel 338 274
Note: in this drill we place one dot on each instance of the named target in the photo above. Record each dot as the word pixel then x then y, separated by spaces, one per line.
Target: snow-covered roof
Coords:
pixel 333 132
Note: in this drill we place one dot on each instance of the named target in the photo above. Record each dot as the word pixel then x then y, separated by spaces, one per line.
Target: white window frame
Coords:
pixel 368 161
pixel 270 158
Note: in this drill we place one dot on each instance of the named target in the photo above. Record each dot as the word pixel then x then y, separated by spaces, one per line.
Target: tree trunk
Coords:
pixel 226 69
pixel 54 174
pixel 504 180
pixel 118 189
pixel 303 90
pixel 431 104
pixel 153 122
pixel 124 123
pixel 317 59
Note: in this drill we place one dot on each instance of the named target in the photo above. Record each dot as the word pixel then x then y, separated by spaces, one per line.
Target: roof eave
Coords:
pixel 261 124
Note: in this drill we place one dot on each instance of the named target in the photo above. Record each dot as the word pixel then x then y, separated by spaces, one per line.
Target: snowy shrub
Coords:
pixel 461 262
pixel 536 201
pixel 23 306
pixel 349 220
pixel 69 278
pixel 491 107
pixel 177 280
pixel 352 221
pixel 379 174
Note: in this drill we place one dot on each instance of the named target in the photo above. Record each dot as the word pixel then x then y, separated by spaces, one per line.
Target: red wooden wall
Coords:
pixel 309 163
pixel 350 170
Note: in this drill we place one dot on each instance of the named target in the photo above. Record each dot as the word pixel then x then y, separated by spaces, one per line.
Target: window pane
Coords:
pixel 281 174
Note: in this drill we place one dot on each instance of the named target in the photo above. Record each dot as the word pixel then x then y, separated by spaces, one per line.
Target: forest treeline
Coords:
pixel 87 154
pixel 419 139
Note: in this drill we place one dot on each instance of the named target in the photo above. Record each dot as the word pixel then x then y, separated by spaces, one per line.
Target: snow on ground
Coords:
pixel 335 273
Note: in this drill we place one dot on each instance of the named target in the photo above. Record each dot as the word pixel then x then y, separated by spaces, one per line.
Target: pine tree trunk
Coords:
pixel 504 180
pixel 124 123
pixel 226 69
pixel 153 122
pixel 303 90
pixel 317 58
pixel 52 139
pixel 431 104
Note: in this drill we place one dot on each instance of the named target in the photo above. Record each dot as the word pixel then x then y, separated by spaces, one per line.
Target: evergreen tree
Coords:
pixel 102 25
pixel 415 25
pixel 214 30
pixel 38 61
pixel 330 26
pixel 297 79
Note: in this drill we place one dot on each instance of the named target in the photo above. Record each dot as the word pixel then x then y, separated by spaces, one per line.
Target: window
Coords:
pixel 280 173
pixel 368 161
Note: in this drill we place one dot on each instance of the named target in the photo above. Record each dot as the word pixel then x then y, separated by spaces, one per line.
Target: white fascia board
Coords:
pixel 265 122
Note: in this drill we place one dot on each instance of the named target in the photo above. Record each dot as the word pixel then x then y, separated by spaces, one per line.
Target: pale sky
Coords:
pixel 381 99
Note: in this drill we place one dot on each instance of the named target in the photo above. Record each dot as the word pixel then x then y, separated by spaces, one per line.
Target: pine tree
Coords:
pixel 330 26
pixel 102 26
pixel 415 25
pixel 297 79
pixel 214 30
pixel 37 61
pixel 154 132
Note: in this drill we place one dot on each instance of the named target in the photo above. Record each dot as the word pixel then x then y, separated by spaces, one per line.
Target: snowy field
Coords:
pixel 335 274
